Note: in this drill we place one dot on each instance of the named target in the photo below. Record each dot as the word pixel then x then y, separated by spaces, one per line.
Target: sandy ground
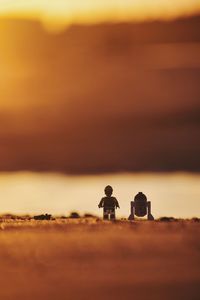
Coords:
pixel 85 259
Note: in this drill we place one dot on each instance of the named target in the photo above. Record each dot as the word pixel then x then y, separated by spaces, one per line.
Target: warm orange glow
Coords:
pixel 61 12
pixel 36 193
pixel 97 98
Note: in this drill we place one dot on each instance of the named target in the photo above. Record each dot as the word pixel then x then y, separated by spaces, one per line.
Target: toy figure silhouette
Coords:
pixel 109 204
pixel 141 207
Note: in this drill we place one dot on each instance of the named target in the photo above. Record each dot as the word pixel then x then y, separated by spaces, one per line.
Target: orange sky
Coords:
pixel 62 12
pixel 95 99
pixel 101 98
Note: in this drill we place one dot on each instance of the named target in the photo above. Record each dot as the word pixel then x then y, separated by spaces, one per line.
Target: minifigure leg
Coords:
pixel 149 207
pixel 149 215
pixel 105 215
pixel 112 215
pixel 132 215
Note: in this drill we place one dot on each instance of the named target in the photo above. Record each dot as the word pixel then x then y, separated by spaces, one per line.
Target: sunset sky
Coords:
pixel 84 89
pixel 100 98
pixel 56 13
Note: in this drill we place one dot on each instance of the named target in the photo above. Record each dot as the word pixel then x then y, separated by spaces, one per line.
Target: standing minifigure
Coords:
pixel 140 207
pixel 109 204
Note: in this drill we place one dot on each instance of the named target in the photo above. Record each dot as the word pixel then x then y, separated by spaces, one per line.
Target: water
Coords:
pixel 171 194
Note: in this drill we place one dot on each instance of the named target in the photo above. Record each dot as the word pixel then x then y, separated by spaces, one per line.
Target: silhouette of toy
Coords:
pixel 140 207
pixel 109 204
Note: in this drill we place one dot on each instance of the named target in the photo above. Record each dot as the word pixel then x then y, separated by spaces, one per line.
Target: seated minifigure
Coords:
pixel 109 204
pixel 140 207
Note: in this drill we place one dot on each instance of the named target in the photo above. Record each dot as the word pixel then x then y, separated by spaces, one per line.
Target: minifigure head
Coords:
pixel 108 190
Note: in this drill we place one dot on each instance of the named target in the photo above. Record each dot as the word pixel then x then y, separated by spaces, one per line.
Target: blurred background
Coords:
pixel 91 88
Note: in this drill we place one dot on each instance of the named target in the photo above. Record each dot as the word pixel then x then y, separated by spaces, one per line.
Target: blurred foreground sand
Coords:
pixel 82 259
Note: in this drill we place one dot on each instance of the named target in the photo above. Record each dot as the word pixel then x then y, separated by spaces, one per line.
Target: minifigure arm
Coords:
pixel 117 204
pixel 101 203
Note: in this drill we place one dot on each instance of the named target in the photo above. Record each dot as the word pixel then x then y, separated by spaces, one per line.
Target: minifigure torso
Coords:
pixel 109 202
